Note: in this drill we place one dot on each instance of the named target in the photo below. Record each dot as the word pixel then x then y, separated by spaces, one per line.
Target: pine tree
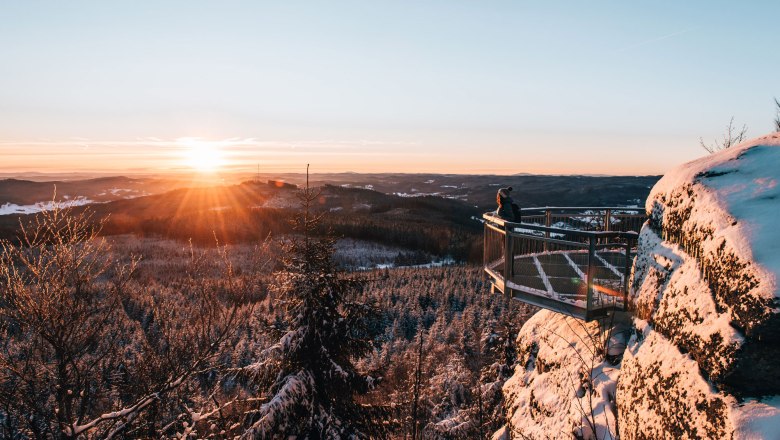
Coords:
pixel 417 383
pixel 313 381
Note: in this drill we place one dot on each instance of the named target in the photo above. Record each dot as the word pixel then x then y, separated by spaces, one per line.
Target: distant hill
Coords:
pixel 480 190
pixel 28 192
pixel 437 214
pixel 475 190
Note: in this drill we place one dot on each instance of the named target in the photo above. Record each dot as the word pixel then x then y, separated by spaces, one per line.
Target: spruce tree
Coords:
pixel 313 380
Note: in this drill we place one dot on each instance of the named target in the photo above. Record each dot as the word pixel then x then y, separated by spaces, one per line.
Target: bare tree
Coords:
pixel 73 363
pixel 731 137
pixel 60 322
pixel 777 115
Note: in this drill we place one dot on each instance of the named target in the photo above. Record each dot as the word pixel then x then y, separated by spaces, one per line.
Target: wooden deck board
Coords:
pixel 559 276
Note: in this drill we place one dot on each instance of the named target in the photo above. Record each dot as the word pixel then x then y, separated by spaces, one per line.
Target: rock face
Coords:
pixel 705 300
pixel 562 387
pixel 703 358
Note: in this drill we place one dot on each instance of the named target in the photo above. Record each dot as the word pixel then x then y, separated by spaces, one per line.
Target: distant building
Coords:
pixel 282 184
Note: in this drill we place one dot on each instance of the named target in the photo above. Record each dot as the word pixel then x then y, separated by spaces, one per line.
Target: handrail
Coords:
pixel 600 234
pixel 582 208
pixel 507 224
pixel 495 228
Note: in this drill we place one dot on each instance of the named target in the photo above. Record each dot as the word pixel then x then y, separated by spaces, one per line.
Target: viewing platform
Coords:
pixel 575 261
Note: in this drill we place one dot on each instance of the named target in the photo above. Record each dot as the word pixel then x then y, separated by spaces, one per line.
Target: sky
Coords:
pixel 450 86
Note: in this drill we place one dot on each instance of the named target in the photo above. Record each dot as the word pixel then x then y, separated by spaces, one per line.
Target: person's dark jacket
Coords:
pixel 507 209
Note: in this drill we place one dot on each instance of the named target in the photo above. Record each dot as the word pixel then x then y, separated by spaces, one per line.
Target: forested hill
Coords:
pixel 251 211
pixel 480 190
pixel 435 214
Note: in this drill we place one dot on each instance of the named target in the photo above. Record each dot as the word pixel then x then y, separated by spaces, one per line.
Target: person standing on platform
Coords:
pixel 507 208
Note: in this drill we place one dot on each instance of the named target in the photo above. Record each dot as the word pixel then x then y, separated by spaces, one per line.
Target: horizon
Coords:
pixel 246 176
pixel 457 88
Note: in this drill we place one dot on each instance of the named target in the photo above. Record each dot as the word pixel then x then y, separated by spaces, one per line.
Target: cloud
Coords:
pixel 654 40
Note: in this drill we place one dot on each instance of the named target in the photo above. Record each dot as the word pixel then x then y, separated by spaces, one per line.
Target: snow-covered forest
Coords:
pixel 139 337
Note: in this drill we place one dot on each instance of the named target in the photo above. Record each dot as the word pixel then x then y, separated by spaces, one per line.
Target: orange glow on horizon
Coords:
pixel 209 157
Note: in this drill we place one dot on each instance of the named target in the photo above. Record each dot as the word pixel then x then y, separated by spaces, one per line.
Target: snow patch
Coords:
pixel 11 208
pixel 416 194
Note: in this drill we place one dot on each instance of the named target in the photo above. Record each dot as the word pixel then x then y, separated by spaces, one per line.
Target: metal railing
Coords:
pixel 571 260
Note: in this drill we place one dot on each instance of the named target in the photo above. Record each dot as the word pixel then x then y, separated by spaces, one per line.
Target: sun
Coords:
pixel 202 156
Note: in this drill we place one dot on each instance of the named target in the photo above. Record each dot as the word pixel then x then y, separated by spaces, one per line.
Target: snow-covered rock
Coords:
pixel 702 358
pixel 704 361
pixel 563 386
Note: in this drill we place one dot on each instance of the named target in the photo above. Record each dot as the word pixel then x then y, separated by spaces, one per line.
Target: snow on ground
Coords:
pixel 126 192
pixel 434 263
pixel 365 254
pixel 11 208
pixel 414 193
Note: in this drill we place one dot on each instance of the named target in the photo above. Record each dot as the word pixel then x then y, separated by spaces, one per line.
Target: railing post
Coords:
pixel 485 245
pixel 509 260
pixel 591 273
pixel 608 220
pixel 627 272
pixel 547 223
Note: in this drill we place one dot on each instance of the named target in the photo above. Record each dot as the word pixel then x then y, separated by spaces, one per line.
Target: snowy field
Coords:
pixel 364 255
